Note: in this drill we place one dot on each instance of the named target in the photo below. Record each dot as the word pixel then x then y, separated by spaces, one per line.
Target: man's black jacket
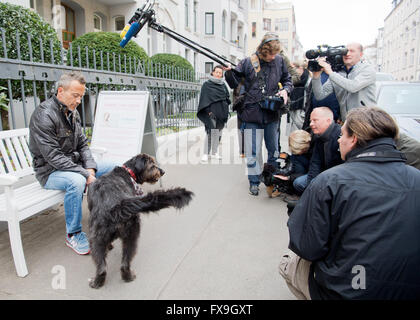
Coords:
pixel 359 224
pixel 325 153
pixel 56 144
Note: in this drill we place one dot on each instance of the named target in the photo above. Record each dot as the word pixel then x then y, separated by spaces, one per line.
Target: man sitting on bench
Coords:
pixel 61 156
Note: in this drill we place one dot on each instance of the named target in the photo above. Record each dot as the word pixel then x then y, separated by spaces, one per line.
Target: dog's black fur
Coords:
pixel 268 178
pixel 115 207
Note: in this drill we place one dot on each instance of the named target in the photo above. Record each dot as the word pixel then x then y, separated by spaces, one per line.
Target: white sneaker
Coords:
pixel 205 159
pixel 216 156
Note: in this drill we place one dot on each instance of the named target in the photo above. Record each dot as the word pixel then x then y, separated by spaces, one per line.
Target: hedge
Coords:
pixel 106 42
pixel 177 67
pixel 14 19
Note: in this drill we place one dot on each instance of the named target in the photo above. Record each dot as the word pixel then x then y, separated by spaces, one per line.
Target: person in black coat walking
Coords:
pixel 354 234
pixel 213 111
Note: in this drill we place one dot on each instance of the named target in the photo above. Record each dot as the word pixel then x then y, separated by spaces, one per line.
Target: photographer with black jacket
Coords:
pixel 259 121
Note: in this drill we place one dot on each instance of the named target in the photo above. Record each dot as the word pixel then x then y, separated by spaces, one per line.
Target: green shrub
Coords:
pixel 177 67
pixel 14 19
pixel 105 42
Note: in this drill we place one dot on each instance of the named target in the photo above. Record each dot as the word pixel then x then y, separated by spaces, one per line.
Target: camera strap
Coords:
pixel 255 61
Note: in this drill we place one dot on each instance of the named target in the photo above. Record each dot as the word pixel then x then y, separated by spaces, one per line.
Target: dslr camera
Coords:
pixel 274 103
pixel 334 57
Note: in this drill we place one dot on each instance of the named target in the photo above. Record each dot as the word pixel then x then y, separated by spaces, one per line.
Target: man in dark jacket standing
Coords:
pixel 61 156
pixel 355 232
pixel 258 122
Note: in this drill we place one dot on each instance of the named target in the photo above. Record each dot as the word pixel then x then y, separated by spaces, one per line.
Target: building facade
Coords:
pixel 401 41
pixel 276 17
pixel 219 24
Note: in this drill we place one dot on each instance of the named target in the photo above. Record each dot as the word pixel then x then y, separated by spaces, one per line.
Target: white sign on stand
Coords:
pixel 123 119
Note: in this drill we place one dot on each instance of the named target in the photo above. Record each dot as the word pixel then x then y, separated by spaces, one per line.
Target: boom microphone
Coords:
pixel 132 31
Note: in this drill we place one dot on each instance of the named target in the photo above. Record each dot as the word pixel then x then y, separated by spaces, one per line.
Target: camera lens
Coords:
pixel 312 54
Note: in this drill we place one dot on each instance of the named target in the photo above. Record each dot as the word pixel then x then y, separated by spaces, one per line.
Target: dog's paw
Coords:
pixel 182 197
pixel 97 282
pixel 127 275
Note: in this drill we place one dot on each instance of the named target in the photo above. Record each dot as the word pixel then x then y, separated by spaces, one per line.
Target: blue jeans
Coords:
pixel 300 184
pixel 74 185
pixel 253 138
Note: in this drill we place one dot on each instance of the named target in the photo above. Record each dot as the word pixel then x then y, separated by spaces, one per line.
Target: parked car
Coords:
pixel 402 101
pixel 382 76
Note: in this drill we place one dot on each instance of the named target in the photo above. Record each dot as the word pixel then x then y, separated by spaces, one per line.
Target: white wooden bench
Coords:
pixel 19 203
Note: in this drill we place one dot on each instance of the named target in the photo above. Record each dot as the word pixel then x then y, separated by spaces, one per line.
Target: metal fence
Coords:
pixel 28 77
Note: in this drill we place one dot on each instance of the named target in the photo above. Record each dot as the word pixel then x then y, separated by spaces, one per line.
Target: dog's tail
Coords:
pixel 153 201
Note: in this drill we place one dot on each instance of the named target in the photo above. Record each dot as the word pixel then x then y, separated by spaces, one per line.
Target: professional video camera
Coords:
pixel 334 57
pixel 146 15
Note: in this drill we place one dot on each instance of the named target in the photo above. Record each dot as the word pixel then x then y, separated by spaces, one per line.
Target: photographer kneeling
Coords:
pixel 354 85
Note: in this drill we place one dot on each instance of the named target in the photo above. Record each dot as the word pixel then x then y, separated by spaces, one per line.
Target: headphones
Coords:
pixel 274 38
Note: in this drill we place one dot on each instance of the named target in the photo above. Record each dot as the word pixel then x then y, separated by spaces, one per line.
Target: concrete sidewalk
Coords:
pixel 226 245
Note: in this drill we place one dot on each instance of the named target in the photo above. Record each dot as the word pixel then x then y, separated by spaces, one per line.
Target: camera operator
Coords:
pixel 262 72
pixel 354 86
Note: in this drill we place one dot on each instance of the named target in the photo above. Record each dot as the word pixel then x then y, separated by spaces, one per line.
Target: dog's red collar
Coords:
pixel 130 172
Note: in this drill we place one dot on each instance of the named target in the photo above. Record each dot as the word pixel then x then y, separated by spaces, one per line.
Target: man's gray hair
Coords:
pixel 67 78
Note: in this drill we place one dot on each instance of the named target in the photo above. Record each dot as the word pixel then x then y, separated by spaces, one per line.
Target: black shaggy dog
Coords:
pixel 115 202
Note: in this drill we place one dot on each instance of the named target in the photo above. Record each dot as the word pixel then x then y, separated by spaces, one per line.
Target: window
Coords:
pixel 281 24
pixel 209 23
pixel 195 15
pixel 119 23
pixel 285 44
pixel 187 13
pixel 97 23
pixel 267 24
pixel 412 57
pixel 254 29
pixel 253 4
pixel 413 30
pixel 209 67
pixel 195 60
pixel 187 54
pixel 32 4
pixel 224 24
pixel 69 25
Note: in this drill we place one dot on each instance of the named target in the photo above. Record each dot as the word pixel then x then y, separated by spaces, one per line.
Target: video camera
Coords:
pixel 334 57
